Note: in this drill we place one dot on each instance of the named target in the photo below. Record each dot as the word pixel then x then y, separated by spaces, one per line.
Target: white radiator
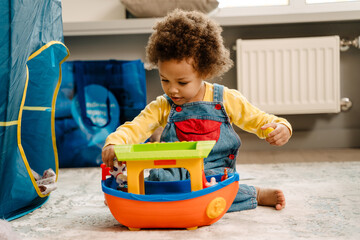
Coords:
pixel 290 75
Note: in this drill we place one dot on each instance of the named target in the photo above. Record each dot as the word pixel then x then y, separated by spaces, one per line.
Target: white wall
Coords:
pixel 92 10
pixel 310 130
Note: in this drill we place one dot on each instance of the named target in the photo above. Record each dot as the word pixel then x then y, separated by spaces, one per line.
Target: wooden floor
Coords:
pixel 292 156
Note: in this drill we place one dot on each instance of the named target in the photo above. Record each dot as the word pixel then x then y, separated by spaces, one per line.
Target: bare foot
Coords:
pixel 270 197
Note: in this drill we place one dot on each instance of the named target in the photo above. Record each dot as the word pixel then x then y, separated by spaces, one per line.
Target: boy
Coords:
pixel 187 48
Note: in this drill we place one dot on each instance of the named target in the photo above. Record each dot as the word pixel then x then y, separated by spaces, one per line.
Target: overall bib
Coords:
pixel 196 121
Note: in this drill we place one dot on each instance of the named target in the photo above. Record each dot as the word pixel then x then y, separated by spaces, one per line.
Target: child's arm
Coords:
pixel 138 130
pixel 108 155
pixel 251 119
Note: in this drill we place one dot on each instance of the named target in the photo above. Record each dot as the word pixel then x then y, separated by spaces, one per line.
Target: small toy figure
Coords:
pixel 119 175
pixel 46 182
pixel 225 176
pixel 211 183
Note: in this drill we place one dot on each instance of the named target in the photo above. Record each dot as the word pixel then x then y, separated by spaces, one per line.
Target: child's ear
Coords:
pixel 205 77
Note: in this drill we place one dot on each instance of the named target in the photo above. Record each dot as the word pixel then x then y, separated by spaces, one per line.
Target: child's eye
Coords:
pixel 164 80
pixel 183 83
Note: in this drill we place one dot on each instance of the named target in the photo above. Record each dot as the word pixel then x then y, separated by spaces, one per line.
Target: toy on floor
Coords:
pixel 46 182
pixel 176 204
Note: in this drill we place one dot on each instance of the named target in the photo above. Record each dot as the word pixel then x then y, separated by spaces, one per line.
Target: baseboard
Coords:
pixel 314 139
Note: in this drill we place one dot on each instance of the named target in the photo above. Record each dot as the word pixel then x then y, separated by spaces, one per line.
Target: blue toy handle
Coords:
pixel 81 83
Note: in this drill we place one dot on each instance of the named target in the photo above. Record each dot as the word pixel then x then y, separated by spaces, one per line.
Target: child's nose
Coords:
pixel 173 89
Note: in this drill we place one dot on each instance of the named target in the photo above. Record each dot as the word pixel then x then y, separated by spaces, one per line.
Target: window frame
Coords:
pixel 295 7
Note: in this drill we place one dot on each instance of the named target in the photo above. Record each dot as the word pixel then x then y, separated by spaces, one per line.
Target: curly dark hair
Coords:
pixel 184 35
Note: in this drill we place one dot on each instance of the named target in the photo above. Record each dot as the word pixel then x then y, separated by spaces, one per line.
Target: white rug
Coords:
pixel 323 202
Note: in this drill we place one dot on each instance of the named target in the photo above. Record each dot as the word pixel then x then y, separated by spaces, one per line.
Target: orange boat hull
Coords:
pixel 190 213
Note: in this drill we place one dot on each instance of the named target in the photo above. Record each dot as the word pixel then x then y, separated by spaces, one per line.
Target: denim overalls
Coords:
pixel 197 121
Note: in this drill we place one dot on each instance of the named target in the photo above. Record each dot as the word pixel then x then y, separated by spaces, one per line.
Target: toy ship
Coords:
pixel 174 204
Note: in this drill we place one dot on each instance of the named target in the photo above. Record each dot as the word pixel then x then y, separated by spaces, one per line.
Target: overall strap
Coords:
pixel 169 99
pixel 218 92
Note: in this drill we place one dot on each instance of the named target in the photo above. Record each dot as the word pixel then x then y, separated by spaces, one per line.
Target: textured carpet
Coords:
pixel 323 202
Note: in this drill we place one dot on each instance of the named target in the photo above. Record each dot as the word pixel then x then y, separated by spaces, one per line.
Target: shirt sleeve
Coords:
pixel 246 116
pixel 138 130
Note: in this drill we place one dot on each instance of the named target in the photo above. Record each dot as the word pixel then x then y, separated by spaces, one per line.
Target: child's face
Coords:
pixel 180 81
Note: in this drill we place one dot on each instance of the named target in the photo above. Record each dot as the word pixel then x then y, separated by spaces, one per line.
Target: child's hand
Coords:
pixel 279 136
pixel 108 155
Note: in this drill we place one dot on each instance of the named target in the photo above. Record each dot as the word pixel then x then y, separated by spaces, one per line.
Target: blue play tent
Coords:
pixel 31 53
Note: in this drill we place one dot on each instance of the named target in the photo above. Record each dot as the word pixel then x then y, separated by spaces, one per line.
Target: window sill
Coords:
pixel 144 25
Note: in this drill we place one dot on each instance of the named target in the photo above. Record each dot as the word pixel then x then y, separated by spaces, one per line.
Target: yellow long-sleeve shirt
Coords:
pixel 240 111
